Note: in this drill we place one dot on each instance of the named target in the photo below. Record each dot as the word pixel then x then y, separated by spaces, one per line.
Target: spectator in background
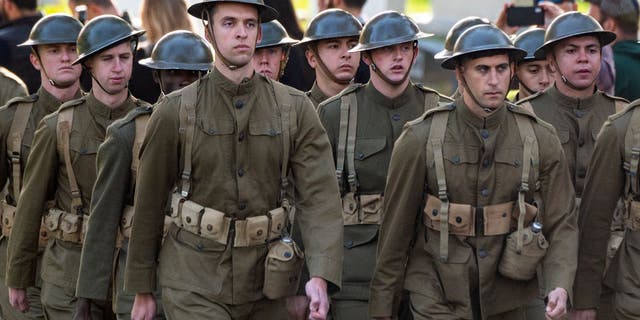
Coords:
pixel 297 72
pixel 621 18
pixel 160 17
pixel 95 8
pixel 10 86
pixel 19 18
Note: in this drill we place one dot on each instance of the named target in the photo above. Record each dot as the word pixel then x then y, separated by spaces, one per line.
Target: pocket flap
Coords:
pixel 366 147
pixel 214 225
pixel 264 128
pixel 358 235
pixel 190 214
pixel 510 156
pixel 284 251
pixel 52 219
pixel 216 126
pixel 278 220
pixel 563 135
pixel 70 223
pixel 458 155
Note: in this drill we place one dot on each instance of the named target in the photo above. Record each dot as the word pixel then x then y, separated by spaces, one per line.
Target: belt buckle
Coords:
pixel 479 212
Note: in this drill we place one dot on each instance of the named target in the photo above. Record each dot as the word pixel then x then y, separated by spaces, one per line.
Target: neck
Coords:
pixel 387 89
pixel 62 94
pixel 328 87
pixel 236 75
pixel 110 100
pixel 573 93
pixel 474 107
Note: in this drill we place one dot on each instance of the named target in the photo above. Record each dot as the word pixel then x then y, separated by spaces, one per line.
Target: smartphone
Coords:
pixel 525 16
pixel 81 13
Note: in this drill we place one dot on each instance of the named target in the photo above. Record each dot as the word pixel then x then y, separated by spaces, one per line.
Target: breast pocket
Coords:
pixel 217 135
pixel 369 158
pixel 563 135
pixel 84 163
pixel 461 168
pixel 265 145
pixel 508 162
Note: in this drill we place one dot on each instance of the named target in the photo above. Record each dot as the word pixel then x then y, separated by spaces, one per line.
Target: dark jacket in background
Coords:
pixel 15 58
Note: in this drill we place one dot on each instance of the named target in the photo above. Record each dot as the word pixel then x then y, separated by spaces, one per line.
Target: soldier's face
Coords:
pixel 267 61
pixel 236 30
pixel 393 61
pixel 335 55
pixel 578 60
pixel 56 63
pixel 487 79
pixel 172 80
pixel 536 75
pixel 112 68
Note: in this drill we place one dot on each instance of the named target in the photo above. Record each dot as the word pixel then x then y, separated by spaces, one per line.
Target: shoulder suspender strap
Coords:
pixel 342 139
pixel 285 104
pixel 351 142
pixel 141 126
pixel 529 159
pixel 16 134
pixel 632 154
pixel 63 130
pixel 620 105
pixel 188 123
pixel 437 132
pixel 430 101
pixel 527 106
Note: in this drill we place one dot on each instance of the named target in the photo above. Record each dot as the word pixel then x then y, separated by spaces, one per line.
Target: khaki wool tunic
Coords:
pixel 482 162
pixel 236 161
pixel 604 186
pixel 10 86
pixel 46 178
pixel 577 123
pixel 316 95
pixel 380 122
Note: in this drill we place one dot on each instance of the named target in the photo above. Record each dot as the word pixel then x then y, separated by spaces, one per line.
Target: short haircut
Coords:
pixel 25 4
pixel 355 3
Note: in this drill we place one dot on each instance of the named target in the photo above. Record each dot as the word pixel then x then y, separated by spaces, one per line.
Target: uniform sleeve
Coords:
pixel 559 216
pixel 157 175
pixel 604 185
pixel 317 197
pixel 39 174
pixel 403 198
pixel 5 125
pixel 107 204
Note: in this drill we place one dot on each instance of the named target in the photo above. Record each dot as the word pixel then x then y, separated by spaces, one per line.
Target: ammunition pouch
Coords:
pixel 522 265
pixel 66 226
pixel 362 208
pixel 465 220
pixel 8 213
pixel 282 269
pixel 216 225
pixel 632 216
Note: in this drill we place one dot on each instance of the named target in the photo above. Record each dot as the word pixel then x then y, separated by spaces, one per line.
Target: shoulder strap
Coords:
pixel 63 132
pixel 347 140
pixel 530 161
pixel 527 106
pixel 620 105
pixel 632 154
pixel 437 132
pixel 14 149
pixel 284 104
pixel 187 127
pixel 430 100
pixel 140 122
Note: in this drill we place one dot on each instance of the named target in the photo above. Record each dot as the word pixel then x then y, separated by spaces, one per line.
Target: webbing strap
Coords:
pixel 620 105
pixel 530 161
pixel 527 106
pixel 14 149
pixel 437 132
pixel 141 122
pixel 632 155
pixel 285 104
pixel 351 142
pixel 188 123
pixel 342 140
pixel 430 101
pixel 64 126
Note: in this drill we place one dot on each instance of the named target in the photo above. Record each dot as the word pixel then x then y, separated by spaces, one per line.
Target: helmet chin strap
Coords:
pixel 49 79
pixel 565 80
pixel 209 26
pixel 386 79
pixel 324 68
pixel 524 86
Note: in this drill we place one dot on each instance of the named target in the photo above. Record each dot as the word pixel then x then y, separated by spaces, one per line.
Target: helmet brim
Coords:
pixel 265 12
pixel 371 46
pixel 605 37
pixel 133 34
pixel 515 53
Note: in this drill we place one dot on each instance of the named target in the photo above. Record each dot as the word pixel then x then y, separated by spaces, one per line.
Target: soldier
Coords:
pixel 178 59
pixel 362 123
pixel 613 173
pixel 533 74
pixel 458 202
pixel 228 142
pixel 63 169
pixel 272 52
pixel 329 37
pixel 53 50
pixel 10 86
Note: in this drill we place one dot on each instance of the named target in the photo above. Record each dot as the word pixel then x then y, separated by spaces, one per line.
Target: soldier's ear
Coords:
pixel 156 76
pixel 366 57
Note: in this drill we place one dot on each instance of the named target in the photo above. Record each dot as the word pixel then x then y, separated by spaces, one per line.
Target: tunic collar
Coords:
pixel 99 109
pixel 316 94
pixel 569 102
pixel 50 102
pixel 246 86
pixel 491 121
pixel 382 100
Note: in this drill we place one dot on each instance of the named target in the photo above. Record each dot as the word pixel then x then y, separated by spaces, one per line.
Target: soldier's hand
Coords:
pixel 144 307
pixel 557 305
pixel 18 299
pixel 83 309
pixel 587 314
pixel 298 307
pixel 316 290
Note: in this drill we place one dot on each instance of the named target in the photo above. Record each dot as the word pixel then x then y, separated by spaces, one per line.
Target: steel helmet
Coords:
pixel 274 34
pixel 103 32
pixel 54 29
pixel 454 33
pixel 180 50
pixel 529 41
pixel 573 24
pixel 386 29
pixel 482 38
pixel 332 24
pixel 265 12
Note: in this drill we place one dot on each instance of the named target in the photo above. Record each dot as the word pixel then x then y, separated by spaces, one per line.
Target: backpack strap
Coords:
pixel 345 124
pixel 632 155
pixel 14 149
pixel 285 106
pixel 188 127
pixel 527 106
pixel 63 131
pixel 620 105
pixel 530 161
pixel 430 100
pixel 140 122
pixel 437 132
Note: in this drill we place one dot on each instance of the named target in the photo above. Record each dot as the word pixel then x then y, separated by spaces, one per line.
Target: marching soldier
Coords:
pixel 63 169
pixel 329 37
pixel 11 86
pixel 458 207
pixel 272 52
pixel 178 59
pixel 362 123
pixel 53 43
pixel 533 73
pixel 229 142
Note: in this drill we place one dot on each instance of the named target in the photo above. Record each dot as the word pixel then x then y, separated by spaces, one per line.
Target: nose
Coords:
pixel 545 77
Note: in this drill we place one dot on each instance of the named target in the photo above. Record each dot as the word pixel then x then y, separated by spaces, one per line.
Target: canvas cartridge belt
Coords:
pixel 66 226
pixel 632 216
pixel 361 208
pixel 217 226
pixel 8 213
pixel 124 232
pixel 466 220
